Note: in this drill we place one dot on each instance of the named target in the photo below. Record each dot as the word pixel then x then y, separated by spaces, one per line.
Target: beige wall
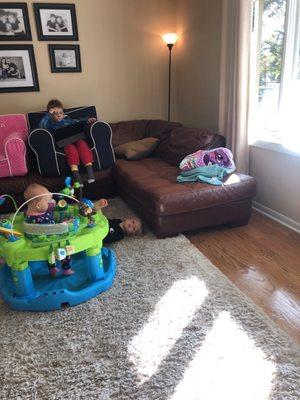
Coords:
pixel 278 180
pixel 198 62
pixel 124 61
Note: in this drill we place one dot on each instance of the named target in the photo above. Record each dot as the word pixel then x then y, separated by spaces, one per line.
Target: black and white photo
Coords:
pixel 14 22
pixel 56 21
pixel 65 58
pixel 17 69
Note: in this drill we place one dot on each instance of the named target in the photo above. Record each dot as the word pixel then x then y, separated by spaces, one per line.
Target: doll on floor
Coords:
pixel 40 210
pixel 118 228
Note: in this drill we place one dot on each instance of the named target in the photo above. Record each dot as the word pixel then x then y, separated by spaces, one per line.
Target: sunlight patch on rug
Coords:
pixel 172 314
pixel 228 365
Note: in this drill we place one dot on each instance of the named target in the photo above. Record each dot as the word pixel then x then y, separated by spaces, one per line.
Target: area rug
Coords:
pixel 172 327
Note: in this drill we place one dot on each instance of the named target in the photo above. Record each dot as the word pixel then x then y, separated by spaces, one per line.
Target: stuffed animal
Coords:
pixel 201 158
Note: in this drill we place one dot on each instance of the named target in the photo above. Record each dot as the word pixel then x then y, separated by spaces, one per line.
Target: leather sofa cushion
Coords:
pixel 159 128
pixel 152 183
pixel 176 145
pixel 17 185
pixel 128 131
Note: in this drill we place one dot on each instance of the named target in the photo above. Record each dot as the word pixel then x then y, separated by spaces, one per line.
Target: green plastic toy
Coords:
pixel 77 235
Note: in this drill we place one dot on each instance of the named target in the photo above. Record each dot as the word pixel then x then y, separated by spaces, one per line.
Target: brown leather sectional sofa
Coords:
pixel 149 185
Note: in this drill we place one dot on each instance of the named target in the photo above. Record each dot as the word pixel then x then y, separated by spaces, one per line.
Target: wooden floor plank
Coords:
pixel 263 260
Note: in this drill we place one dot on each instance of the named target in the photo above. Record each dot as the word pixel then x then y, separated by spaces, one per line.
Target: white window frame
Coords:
pixel 290 55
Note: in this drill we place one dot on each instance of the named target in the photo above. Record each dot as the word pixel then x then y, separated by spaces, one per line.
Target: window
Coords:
pixel 275 66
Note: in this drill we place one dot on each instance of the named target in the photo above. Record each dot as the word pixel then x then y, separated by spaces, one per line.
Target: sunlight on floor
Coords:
pixel 172 314
pixel 228 365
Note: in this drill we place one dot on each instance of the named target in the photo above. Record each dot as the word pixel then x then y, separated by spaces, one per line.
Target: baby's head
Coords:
pixel 8 27
pixel 11 18
pixel 132 226
pixel 56 109
pixel 39 204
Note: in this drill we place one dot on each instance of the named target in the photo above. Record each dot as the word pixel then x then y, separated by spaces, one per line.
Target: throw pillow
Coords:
pixel 137 149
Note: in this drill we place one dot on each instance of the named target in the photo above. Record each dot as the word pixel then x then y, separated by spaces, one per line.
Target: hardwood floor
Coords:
pixel 263 260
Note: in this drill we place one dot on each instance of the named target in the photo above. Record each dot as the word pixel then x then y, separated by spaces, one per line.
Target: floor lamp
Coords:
pixel 170 39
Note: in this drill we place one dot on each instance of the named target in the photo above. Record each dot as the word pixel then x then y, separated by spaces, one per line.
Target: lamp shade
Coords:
pixel 170 38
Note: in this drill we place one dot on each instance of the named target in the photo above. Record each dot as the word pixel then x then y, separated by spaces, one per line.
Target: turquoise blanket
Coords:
pixel 212 174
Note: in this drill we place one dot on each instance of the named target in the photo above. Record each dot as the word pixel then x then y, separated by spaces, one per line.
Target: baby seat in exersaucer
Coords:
pixel 25 250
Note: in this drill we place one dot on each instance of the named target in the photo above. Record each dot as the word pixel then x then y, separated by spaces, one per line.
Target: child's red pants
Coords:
pixel 78 151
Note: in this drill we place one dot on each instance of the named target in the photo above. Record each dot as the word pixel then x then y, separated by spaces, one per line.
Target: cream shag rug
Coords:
pixel 172 327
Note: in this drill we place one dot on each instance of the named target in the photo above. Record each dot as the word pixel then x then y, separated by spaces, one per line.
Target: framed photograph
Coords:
pixel 65 58
pixel 17 68
pixel 14 22
pixel 56 21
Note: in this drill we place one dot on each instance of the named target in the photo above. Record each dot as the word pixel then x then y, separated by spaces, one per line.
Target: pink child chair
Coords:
pixel 13 141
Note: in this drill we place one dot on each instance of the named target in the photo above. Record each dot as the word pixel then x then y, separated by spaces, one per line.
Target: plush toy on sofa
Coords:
pixel 220 156
pixel 208 166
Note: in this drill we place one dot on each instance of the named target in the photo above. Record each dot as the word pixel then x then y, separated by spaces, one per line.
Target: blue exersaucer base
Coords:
pixel 55 293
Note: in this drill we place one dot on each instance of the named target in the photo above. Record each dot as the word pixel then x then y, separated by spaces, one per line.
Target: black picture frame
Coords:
pixel 43 8
pixel 64 48
pixel 15 37
pixel 34 86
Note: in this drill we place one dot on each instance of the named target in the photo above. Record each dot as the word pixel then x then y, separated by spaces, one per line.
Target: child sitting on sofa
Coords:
pixel 75 152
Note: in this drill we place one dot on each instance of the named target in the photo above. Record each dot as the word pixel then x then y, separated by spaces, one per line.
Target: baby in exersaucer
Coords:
pixel 40 210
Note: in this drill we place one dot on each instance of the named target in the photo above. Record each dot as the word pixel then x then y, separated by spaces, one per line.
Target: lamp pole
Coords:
pixel 170 46
pixel 170 39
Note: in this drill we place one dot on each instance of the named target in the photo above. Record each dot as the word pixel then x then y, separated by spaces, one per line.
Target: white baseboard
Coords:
pixel 282 219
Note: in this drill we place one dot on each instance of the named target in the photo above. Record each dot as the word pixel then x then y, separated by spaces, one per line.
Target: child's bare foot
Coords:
pixel 53 271
pixel 101 204
pixel 68 272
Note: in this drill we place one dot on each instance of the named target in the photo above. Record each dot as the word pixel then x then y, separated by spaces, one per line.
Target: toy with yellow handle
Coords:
pixel 5 224
pixel 9 231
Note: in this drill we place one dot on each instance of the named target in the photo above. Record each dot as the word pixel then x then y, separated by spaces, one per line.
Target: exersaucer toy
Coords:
pixel 27 250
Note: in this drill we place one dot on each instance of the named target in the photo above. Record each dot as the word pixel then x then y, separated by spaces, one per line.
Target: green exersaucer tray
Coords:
pixel 87 238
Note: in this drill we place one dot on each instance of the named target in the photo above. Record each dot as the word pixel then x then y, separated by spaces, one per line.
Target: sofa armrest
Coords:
pixel 216 141
pixel 41 142
pixel 99 135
